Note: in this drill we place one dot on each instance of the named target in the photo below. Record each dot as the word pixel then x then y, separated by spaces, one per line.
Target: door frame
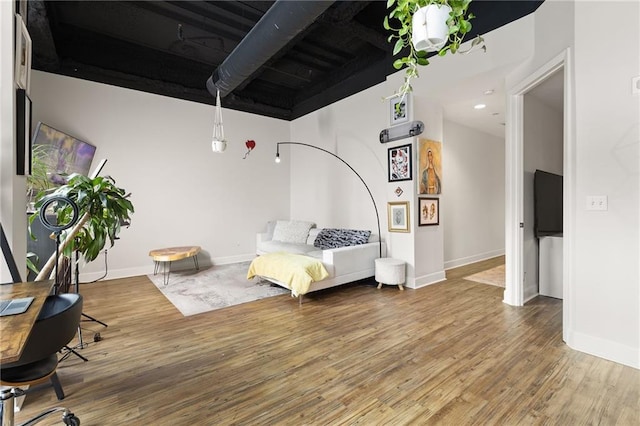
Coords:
pixel 514 210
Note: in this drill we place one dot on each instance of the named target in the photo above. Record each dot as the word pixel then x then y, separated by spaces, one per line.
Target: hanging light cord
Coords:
pixel 218 130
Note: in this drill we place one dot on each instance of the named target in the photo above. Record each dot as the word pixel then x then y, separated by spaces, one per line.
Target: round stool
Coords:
pixel 390 271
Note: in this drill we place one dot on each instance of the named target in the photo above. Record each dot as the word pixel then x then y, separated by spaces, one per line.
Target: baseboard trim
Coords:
pixel 425 280
pixel 184 265
pixel 449 264
pixel 607 349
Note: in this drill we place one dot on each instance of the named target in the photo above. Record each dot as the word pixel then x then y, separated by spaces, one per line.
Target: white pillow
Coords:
pixel 292 231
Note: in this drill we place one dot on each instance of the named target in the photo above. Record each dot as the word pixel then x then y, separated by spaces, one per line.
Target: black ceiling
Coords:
pixel 172 47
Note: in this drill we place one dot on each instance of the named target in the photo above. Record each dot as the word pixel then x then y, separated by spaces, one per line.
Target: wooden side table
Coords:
pixel 170 254
pixel 390 271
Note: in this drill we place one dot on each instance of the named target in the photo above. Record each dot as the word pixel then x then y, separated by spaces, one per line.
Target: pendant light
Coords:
pixel 218 143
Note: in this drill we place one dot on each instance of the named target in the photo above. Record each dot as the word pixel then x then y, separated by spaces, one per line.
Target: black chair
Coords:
pixel 56 325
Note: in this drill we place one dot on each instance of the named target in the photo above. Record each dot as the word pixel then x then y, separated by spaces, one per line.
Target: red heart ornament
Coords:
pixel 250 144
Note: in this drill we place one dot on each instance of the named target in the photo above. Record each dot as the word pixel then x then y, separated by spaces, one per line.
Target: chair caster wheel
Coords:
pixel 71 420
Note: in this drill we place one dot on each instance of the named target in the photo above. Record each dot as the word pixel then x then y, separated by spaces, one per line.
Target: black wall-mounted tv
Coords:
pixel 547 202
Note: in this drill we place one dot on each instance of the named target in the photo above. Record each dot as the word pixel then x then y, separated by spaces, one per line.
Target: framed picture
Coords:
pixel 398 216
pixel 429 167
pixel 23 133
pixel 399 109
pixel 428 211
pixel 399 163
pixel 63 154
pixel 22 55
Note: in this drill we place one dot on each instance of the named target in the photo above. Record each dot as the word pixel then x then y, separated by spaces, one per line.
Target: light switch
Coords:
pixel 597 202
pixel 635 85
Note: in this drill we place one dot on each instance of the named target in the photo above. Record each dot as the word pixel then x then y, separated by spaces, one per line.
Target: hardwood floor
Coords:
pixel 452 353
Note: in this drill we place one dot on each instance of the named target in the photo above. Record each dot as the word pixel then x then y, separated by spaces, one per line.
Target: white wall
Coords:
pixel 12 187
pixel 323 189
pixel 606 302
pixel 473 203
pixel 543 147
pixel 159 149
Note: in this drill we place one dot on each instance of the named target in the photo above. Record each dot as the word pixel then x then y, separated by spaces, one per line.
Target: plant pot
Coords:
pixel 430 31
pixel 218 145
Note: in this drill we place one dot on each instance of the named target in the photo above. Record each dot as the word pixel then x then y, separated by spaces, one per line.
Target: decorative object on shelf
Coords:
pixel 398 216
pixel 250 145
pixel 398 191
pixel 23 133
pixel 429 166
pixel 428 211
pixel 399 109
pixel 399 163
pixel 427 26
pixel 218 142
pixel 401 131
pixel 22 55
pixel 373 201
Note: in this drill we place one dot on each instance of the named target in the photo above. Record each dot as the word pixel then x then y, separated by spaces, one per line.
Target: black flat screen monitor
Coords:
pixel 547 201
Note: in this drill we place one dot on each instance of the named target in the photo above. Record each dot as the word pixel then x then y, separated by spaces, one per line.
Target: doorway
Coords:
pixel 517 218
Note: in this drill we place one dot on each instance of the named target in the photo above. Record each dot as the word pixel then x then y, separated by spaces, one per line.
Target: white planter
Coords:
pixel 218 146
pixel 430 30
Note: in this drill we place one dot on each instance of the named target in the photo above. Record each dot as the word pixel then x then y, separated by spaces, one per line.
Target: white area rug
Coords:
pixel 194 292
pixel 494 276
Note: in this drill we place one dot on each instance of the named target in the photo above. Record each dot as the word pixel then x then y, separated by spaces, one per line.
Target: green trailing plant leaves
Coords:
pixel 398 47
pixel 402 11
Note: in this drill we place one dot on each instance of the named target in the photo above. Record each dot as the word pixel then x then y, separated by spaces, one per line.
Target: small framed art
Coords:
pixel 399 159
pixel 428 211
pixel 23 55
pixel 399 109
pixel 398 216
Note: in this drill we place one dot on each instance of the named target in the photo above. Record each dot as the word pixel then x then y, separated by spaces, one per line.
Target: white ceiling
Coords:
pixel 458 102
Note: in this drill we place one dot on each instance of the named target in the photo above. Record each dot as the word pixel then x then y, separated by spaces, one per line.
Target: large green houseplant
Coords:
pixel 400 22
pixel 102 207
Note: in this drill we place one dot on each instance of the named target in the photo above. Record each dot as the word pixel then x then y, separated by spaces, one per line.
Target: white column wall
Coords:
pixel 473 199
pixel 159 149
pixel 606 306
pixel 12 187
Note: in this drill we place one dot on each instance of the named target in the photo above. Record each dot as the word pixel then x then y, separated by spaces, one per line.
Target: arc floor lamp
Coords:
pixel 373 201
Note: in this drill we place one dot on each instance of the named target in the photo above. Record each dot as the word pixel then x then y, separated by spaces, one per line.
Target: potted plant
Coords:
pixel 414 25
pixel 103 209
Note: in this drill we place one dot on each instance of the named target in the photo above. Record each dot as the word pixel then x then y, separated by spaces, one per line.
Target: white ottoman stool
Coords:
pixel 390 271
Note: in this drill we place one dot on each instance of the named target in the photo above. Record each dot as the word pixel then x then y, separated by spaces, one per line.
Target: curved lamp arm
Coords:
pixel 375 207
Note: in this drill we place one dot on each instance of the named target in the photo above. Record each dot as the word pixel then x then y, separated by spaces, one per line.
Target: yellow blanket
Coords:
pixel 296 271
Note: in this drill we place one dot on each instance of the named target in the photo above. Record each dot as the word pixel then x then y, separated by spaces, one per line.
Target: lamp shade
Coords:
pixel 429 29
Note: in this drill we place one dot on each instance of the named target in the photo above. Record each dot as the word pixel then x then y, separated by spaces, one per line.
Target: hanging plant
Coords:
pixel 400 22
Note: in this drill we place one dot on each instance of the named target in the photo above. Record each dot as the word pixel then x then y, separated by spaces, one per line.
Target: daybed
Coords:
pixel 347 255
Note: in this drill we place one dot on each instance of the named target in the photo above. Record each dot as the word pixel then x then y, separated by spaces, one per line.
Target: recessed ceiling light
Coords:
pixel 479 106
pixel 488 92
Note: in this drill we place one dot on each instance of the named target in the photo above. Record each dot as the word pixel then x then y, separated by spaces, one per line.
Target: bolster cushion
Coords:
pixel 333 238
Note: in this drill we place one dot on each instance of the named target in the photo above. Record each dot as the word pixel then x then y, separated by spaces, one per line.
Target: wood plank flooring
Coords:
pixel 452 353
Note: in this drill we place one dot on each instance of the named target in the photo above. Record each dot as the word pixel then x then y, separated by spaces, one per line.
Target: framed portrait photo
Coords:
pixel 429 167
pixel 399 161
pixel 399 109
pixel 398 216
pixel 428 211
